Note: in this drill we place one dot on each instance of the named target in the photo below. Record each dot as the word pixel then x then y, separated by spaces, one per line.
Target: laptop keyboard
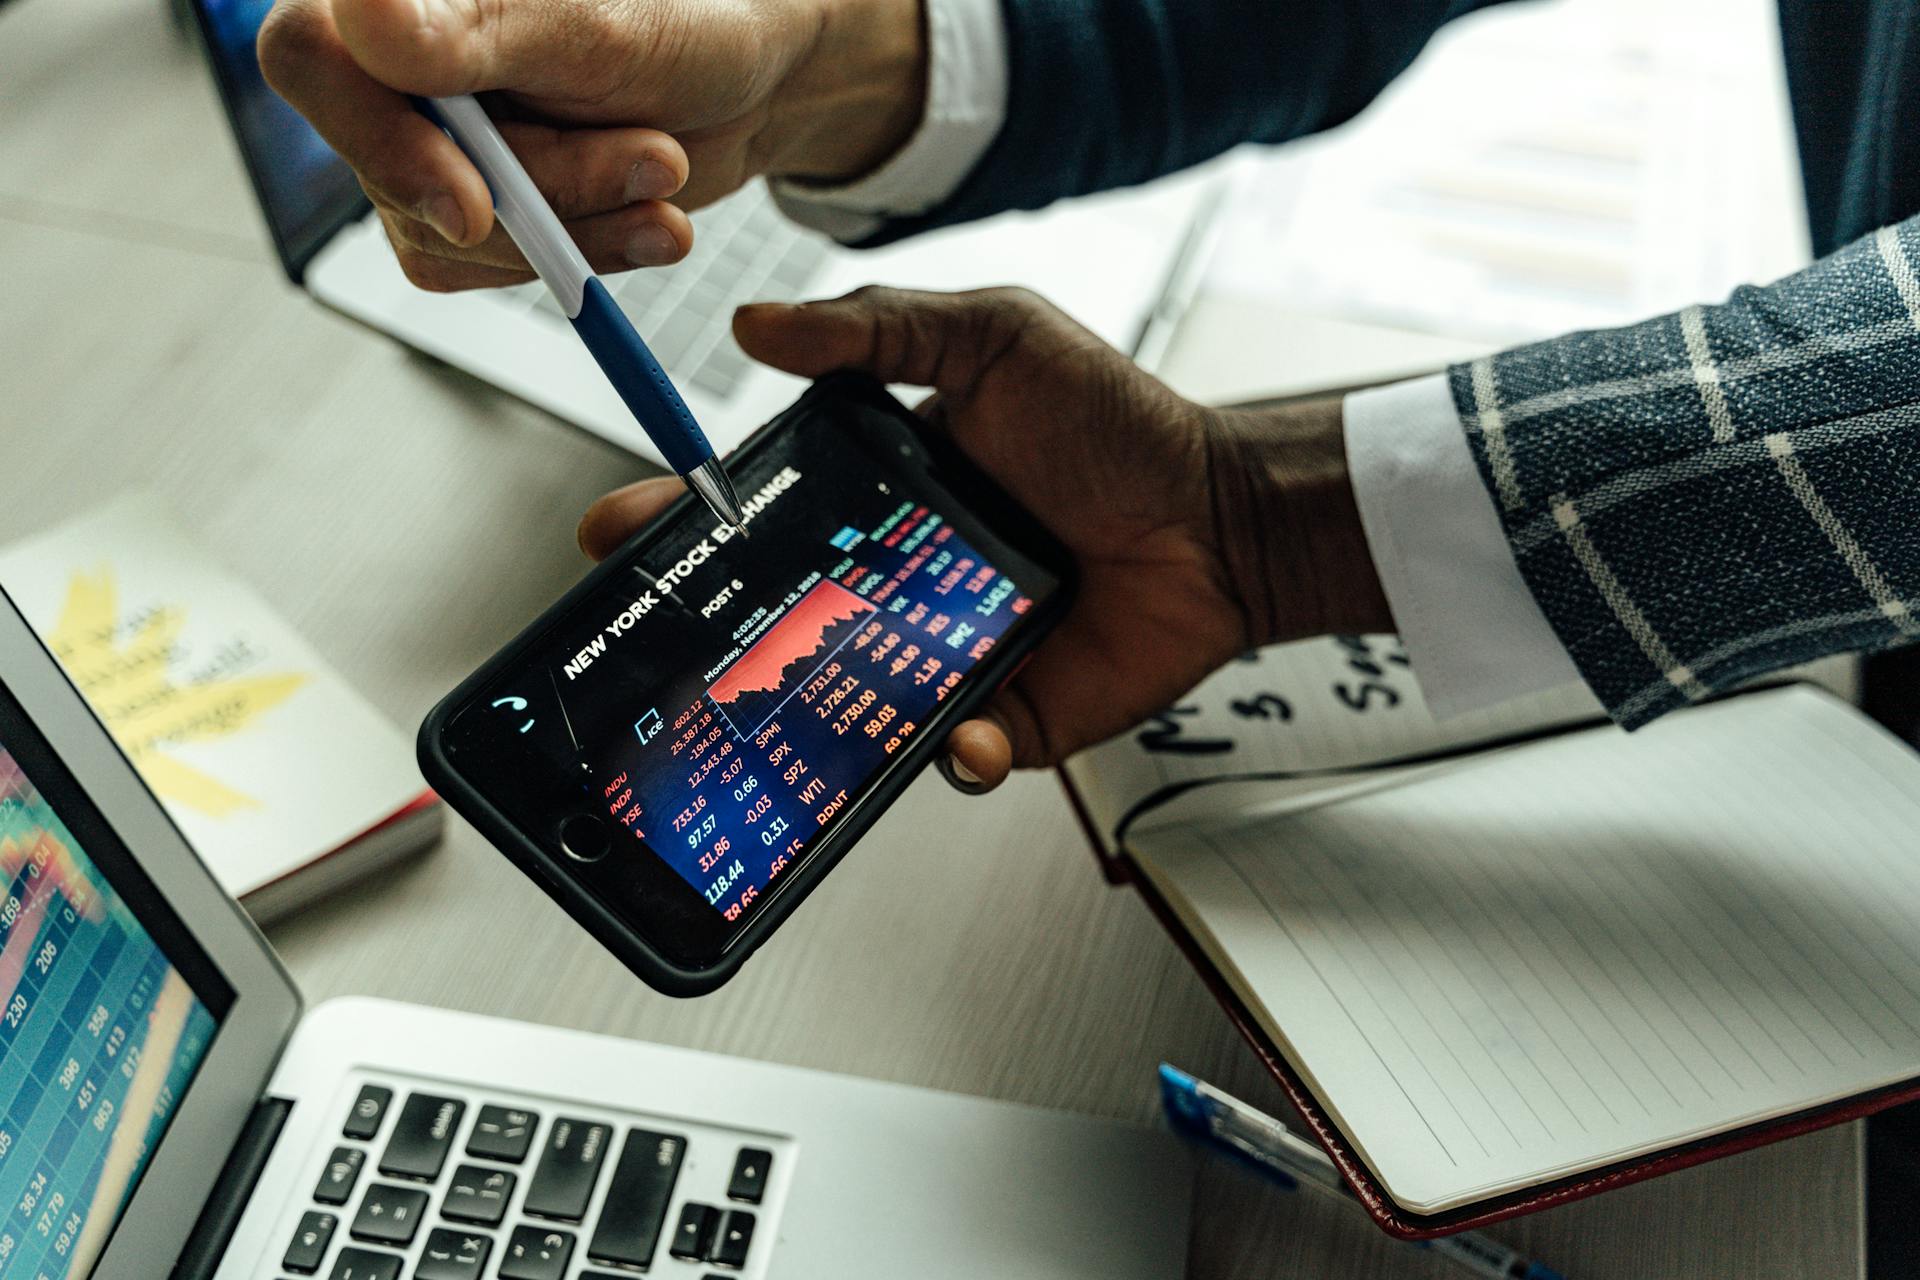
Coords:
pixel 744 250
pixel 432 1183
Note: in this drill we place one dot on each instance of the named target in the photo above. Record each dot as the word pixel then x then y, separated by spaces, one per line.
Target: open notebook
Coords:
pixel 1506 977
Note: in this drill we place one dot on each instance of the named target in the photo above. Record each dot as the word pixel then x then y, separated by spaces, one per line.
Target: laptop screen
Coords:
pixel 107 1009
pixel 306 191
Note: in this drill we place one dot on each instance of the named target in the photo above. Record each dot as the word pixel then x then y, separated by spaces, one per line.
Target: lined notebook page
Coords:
pixel 1584 949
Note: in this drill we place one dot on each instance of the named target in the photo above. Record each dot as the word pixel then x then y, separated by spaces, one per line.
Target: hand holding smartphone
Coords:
pixel 682 747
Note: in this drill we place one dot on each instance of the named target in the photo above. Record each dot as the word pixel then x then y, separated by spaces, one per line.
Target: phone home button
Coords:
pixel 583 838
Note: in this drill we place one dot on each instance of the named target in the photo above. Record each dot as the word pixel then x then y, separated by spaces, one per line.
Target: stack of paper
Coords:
pixel 1541 168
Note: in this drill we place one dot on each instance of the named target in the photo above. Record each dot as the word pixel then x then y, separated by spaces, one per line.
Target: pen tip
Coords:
pixel 710 481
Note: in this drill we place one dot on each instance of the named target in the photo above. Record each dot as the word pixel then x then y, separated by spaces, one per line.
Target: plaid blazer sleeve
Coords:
pixel 1716 494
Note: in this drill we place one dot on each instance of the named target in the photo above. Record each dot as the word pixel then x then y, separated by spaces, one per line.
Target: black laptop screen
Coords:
pixel 305 189
pixel 107 1009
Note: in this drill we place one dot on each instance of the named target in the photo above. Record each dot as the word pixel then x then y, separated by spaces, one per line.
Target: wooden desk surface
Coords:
pixel 407 519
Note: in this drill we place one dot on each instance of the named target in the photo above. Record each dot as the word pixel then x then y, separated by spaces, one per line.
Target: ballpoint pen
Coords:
pixel 605 329
pixel 1220 1120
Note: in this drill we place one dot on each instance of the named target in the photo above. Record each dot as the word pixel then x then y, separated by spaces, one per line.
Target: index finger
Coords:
pixel 403 160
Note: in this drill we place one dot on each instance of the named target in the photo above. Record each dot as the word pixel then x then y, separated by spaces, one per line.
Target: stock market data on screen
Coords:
pixel 732 699
pixel 846 669
pixel 99 1035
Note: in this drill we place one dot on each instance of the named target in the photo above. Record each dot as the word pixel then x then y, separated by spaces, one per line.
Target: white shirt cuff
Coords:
pixel 966 105
pixel 1472 629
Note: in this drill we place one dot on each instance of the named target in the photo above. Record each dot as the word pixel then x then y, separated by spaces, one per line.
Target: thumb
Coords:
pixel 437 48
pixel 946 341
pixel 619 515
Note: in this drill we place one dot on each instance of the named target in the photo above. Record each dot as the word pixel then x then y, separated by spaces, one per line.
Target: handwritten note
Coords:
pixel 1313 708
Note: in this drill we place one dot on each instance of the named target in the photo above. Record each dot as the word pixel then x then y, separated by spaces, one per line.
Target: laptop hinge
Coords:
pixel 228 1199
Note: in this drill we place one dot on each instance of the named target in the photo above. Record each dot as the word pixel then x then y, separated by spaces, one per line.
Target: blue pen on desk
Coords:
pixel 1222 1121
pixel 609 335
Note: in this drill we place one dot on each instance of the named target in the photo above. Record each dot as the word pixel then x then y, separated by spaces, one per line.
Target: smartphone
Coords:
pixel 680 749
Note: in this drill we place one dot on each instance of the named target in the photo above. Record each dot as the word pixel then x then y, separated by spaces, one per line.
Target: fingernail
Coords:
pixel 443 214
pixel 959 778
pixel 652 246
pixel 650 180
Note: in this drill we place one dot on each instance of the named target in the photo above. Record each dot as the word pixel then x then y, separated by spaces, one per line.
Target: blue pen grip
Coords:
pixel 640 380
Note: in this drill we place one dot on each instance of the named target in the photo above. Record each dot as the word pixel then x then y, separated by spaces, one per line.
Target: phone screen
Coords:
pixel 714 706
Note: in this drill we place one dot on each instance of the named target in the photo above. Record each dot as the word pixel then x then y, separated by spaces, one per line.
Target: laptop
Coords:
pixel 1114 262
pixel 165 1107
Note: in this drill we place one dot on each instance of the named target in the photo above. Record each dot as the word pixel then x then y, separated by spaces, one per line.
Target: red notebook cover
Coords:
pixel 1390 1216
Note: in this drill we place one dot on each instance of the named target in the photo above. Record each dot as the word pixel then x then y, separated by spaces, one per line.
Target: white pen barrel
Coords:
pixel 522 210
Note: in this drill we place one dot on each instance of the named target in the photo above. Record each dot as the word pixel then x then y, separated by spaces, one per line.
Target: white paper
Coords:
pixel 1582 950
pixel 262 755
pixel 1312 707
pixel 1541 168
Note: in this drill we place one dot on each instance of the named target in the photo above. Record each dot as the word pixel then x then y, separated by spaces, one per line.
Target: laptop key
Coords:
pixel 389 1215
pixel 570 1164
pixel 636 1204
pixel 749 1180
pixel 502 1133
pixel 365 1264
pixel 673 340
pixel 694 1234
pixel 720 373
pixel 369 1109
pixel 422 1136
pixel 799 265
pixel 338 1178
pixel 310 1241
pixel 731 1240
pixel 478 1195
pixel 536 1253
pixel 453 1255
pixel 636 289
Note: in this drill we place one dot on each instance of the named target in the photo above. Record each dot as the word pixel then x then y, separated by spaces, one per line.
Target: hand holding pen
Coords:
pixel 642 384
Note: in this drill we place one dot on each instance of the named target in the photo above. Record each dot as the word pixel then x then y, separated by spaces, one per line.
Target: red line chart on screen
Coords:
pixel 780 662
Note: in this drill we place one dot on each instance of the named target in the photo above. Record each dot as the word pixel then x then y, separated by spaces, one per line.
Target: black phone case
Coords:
pixel 659 971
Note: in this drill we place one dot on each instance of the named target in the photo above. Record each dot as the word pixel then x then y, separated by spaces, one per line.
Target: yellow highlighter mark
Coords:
pixel 129 670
